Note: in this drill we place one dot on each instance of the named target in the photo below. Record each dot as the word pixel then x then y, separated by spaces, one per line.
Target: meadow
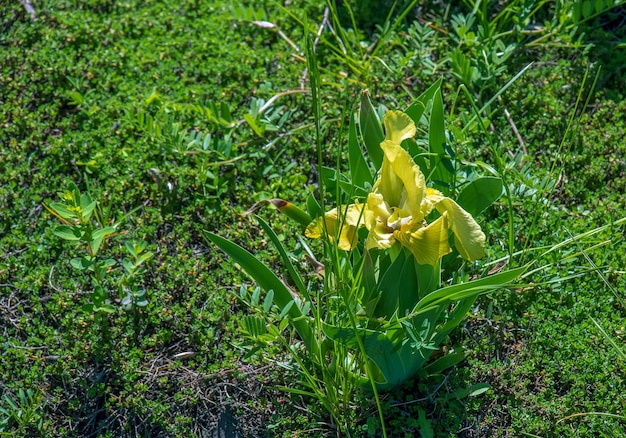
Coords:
pixel 165 167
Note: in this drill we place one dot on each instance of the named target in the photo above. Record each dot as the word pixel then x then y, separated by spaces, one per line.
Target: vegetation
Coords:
pixel 138 137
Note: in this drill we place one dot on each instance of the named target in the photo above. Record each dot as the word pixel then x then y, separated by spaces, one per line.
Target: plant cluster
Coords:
pixel 382 310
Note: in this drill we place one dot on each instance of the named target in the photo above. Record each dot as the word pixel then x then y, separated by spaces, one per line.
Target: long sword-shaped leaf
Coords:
pixel 268 281
pixel 295 276
pixel 371 130
pixel 361 175
pixel 464 290
pixel 440 164
pixel 417 108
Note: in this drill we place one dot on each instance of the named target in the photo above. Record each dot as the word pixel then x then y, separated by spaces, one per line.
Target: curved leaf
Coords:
pixel 480 194
pixel 268 281
pixel 295 276
pixel 461 291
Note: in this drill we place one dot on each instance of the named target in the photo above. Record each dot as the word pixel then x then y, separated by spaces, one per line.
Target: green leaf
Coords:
pixel 370 287
pixel 254 325
pixel 82 263
pixel 62 210
pixel 101 233
pixel 371 130
pixel 106 308
pixel 478 388
pixel 395 360
pixel 313 207
pixel 360 173
pixel 428 277
pixel 295 276
pixel 225 116
pixel 87 209
pixel 285 312
pixel 254 298
pixel 268 280
pixel 599 6
pixel 72 189
pixel 68 233
pixel 440 164
pixel 107 263
pixel 472 391
pixel 577 11
pixel 425 426
pixel 143 258
pixel 445 362
pixel 480 194
pixel 267 302
pixel 454 317
pixel 417 108
pixel 127 302
pixel 88 308
pixel 133 247
pixel 11 403
pixel 332 177
pixel 450 294
pixel 259 130
pixel 587 8
pixel 95 245
pixel 398 288
pixel 128 266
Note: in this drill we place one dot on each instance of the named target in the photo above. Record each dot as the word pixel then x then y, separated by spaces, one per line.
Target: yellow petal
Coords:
pixel 376 210
pixel 428 244
pixel 432 197
pixel 354 215
pixel 388 184
pixel 375 217
pixel 402 183
pixel 314 229
pixel 348 238
pixel 398 126
pixel 468 237
pixel 341 224
pixel 380 238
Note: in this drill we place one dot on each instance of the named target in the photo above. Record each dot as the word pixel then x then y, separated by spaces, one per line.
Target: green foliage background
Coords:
pixel 77 85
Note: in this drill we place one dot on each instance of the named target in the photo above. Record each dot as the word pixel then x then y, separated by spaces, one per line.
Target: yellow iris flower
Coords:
pixel 396 208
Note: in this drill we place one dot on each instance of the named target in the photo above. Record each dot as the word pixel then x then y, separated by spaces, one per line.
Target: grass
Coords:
pixel 108 95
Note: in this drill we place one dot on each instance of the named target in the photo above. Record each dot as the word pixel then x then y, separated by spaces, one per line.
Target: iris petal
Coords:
pixel 398 126
pixel 409 185
pixel 428 244
pixel 469 239
pixel 339 223
pixel 375 215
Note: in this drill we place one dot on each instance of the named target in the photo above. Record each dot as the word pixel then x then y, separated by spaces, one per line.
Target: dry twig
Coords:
pixel 29 8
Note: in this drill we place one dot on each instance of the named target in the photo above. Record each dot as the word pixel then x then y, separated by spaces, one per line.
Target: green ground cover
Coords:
pixel 179 116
